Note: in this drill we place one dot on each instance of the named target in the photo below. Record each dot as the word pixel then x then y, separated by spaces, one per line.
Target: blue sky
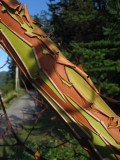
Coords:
pixel 34 7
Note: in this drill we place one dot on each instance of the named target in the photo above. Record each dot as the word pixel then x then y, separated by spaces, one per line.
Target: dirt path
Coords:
pixel 21 112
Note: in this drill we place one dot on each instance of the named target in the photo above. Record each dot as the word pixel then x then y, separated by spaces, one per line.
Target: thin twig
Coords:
pixel 5 63
pixel 8 121
pixel 34 124
pixel 36 99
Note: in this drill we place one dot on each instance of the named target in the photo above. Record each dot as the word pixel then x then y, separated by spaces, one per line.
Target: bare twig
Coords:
pixel 8 121
pixel 36 99
pixel 5 63
pixel 39 115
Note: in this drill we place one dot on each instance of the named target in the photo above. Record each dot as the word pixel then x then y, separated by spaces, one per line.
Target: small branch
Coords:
pixel 5 63
pixel 34 125
pixel 8 145
pixel 8 121
pixel 36 99
pixel 62 143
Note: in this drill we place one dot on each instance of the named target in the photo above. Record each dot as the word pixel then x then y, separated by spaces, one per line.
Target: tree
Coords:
pixel 12 79
pixel 9 81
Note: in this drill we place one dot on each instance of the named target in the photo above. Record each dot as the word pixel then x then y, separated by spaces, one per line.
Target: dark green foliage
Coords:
pixel 8 78
pixel 3 76
pixel 6 85
pixel 11 67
